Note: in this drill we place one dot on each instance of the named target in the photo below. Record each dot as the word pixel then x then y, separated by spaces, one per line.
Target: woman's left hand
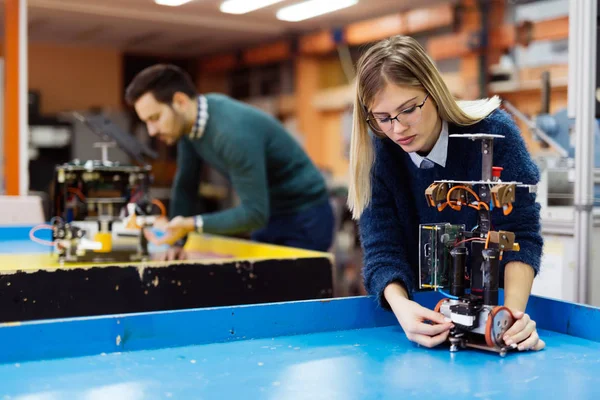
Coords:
pixel 523 333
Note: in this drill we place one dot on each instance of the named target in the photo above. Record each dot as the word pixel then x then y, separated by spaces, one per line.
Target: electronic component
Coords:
pixel 465 265
pixel 101 207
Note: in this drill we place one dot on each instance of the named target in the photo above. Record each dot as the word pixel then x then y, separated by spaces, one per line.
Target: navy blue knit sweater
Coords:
pixel 389 227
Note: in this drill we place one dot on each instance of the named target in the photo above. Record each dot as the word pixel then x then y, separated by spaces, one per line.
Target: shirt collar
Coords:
pixel 201 119
pixel 437 155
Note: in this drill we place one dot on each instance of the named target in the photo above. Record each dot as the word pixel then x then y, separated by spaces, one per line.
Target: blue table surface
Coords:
pixel 335 349
pixel 357 364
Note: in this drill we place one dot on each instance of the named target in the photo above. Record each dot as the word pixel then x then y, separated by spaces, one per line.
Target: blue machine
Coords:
pixel 558 127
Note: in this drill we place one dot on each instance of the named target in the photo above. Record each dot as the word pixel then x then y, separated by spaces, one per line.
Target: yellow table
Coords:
pixel 33 285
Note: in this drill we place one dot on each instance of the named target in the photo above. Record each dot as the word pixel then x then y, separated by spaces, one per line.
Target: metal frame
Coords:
pixel 582 87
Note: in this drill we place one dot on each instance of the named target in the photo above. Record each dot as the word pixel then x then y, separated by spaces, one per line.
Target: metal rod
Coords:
pixel 584 128
pixel 572 60
pixel 546 90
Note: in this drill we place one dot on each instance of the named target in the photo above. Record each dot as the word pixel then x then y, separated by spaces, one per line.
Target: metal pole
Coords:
pixel 572 62
pixel 584 131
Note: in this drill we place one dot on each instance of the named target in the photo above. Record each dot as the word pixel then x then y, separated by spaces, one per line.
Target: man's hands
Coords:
pixel 524 333
pixel 175 230
pixel 172 253
pixel 421 325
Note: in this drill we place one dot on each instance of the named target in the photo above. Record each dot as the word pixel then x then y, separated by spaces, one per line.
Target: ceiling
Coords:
pixel 196 28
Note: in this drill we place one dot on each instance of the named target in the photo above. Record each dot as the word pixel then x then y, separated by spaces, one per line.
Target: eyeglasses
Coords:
pixel 408 117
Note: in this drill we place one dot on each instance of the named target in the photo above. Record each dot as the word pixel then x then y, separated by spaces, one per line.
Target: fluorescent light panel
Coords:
pixel 245 6
pixel 312 8
pixel 171 3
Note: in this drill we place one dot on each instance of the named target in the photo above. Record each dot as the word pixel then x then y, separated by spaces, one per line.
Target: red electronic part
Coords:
pixel 496 172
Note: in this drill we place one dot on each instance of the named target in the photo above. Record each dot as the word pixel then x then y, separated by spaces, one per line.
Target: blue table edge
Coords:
pixel 75 337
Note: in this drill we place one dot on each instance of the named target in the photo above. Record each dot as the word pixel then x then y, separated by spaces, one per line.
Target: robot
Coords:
pixel 100 207
pixel 464 265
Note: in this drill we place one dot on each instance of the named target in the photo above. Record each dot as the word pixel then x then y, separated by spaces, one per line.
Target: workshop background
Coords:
pixel 81 54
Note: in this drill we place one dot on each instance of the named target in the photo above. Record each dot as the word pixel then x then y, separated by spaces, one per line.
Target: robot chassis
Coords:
pixel 449 252
pixel 101 211
pixel 102 207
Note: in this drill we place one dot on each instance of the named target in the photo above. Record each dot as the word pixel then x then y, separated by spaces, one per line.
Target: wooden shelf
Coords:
pixel 525 86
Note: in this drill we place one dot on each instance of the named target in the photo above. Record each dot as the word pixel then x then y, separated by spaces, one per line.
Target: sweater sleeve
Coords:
pixel 184 193
pixel 248 173
pixel 381 234
pixel 512 155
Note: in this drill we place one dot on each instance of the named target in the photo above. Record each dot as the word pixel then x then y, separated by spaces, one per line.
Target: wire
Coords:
pixel 77 193
pixel 448 295
pixel 161 206
pixel 469 240
pixel 38 240
pixel 471 191
pixel 54 219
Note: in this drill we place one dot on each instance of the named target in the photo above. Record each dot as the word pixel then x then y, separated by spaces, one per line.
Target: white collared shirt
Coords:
pixel 201 119
pixel 437 155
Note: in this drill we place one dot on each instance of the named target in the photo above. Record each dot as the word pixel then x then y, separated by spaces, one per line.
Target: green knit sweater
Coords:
pixel 268 169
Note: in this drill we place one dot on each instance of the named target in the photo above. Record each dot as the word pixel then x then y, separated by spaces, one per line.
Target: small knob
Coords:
pixel 497 171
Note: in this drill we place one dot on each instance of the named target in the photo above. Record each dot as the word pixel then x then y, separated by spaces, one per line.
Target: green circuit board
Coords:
pixel 435 243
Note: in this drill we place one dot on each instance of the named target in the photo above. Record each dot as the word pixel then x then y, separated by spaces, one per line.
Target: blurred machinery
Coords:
pixel 100 208
pixel 463 264
pixel 557 184
pixel 556 194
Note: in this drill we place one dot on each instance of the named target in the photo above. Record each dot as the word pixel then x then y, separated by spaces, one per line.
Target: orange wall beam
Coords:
pixel 272 52
pixel 15 98
pixel 458 44
pixel 309 121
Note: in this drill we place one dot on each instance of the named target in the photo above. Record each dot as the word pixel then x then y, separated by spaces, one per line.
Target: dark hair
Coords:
pixel 163 81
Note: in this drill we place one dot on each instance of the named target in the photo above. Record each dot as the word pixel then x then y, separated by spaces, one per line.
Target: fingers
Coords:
pixel 177 253
pixel 520 330
pixel 539 345
pixel 434 316
pixel 517 327
pixel 151 237
pixel 432 330
pixel 160 223
pixel 531 343
pixel 172 254
pixel 428 341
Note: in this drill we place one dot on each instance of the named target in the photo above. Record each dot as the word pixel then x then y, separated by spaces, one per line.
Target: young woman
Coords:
pixel 402 99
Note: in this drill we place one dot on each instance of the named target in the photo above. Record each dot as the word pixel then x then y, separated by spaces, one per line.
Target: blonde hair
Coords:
pixel 400 60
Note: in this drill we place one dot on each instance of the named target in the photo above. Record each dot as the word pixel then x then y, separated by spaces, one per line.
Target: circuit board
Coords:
pixel 435 243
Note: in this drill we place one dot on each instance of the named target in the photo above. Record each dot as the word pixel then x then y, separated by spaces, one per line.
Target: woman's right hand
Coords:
pixel 421 325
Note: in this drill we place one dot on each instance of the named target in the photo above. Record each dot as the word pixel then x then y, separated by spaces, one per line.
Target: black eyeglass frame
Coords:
pixel 368 120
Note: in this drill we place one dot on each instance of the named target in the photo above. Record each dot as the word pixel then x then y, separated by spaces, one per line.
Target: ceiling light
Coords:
pixel 172 3
pixel 312 8
pixel 245 6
